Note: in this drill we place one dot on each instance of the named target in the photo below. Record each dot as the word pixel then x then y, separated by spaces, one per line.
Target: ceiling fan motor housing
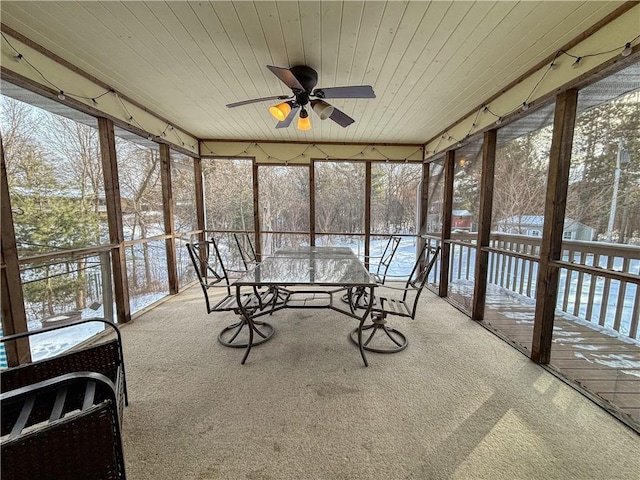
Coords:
pixel 307 77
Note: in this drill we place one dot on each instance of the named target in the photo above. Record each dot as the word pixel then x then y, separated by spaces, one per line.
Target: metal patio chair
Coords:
pixel 213 277
pixel 359 297
pixel 404 305
pixel 245 247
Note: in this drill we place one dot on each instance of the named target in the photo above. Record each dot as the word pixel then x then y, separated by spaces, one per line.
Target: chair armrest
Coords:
pixel 108 323
pixel 400 289
pixel 16 336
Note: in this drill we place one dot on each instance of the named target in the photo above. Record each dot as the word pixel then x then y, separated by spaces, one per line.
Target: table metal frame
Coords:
pixel 340 271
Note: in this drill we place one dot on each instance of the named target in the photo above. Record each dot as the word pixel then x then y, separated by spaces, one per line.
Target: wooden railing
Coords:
pixel 599 282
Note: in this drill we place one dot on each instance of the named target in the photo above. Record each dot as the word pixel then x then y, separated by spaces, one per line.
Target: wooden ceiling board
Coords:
pixel 480 63
pixel 546 47
pixel 379 60
pixel 310 22
pixel 245 67
pixel 429 62
pixel 206 56
pixel 459 69
pixel 155 48
pixel 460 97
pixel 136 52
pixel 292 32
pixel 395 118
pixel 370 26
pixel 224 68
pixel 401 57
pixel 210 83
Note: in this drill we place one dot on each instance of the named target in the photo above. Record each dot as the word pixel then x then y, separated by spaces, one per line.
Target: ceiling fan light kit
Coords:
pixel 302 81
pixel 280 111
pixel 303 121
pixel 322 108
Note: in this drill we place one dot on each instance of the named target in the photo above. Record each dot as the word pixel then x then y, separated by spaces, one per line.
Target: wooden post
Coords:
pixel 484 224
pixel 423 208
pixel 312 203
pixel 447 209
pixel 367 214
pixel 114 215
pixel 555 205
pixel 256 211
pixel 14 317
pixel 199 188
pixel 167 210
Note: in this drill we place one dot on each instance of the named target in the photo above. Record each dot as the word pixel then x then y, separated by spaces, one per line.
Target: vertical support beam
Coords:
pixel 367 213
pixel 167 211
pixel 423 207
pixel 312 203
pixel 447 209
pixel 555 205
pixel 199 189
pixel 114 216
pixel 256 212
pixel 14 317
pixel 484 224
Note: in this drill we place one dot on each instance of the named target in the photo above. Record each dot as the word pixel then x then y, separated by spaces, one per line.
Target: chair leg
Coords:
pixel 230 335
pixel 359 298
pixel 398 341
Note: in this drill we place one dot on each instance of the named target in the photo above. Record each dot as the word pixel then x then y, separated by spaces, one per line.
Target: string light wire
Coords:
pixel 485 108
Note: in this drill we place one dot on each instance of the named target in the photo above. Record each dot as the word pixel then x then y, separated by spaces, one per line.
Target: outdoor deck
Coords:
pixel 606 365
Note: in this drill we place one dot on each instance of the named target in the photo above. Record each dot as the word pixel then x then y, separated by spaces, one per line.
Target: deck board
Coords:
pixel 604 364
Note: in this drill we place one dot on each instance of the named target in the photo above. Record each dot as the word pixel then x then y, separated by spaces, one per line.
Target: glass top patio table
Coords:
pixel 323 266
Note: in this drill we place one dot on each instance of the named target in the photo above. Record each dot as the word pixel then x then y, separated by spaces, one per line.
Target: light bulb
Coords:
pixel 626 51
pixel 281 111
pixel 18 57
pixel 525 106
pixel 499 121
pixel 61 95
pixel 577 63
pixel 303 121
pixel 323 109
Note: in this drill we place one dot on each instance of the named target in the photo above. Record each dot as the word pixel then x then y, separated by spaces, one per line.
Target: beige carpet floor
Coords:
pixel 458 403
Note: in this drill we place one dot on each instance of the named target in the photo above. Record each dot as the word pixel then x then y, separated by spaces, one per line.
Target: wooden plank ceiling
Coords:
pixel 428 62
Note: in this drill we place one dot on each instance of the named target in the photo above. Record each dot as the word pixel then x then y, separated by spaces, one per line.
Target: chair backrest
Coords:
pixel 419 276
pixel 387 256
pixel 245 247
pixel 71 429
pixel 208 265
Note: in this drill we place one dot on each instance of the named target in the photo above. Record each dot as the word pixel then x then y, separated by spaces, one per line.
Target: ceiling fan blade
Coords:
pixel 287 77
pixel 287 121
pixel 256 100
pixel 360 91
pixel 341 118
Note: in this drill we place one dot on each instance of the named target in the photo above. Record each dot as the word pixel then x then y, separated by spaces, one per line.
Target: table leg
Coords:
pixel 362 320
pixel 245 313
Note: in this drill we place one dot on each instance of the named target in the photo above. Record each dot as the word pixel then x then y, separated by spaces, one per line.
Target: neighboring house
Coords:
pixel 532 225
pixel 461 220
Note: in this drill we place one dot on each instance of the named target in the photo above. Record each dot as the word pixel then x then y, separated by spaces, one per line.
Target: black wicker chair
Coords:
pixel 66 427
pixel 213 277
pixel 404 306
pixel 104 357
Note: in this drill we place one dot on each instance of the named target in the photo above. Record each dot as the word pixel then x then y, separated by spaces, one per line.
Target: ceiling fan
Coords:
pixel 302 81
